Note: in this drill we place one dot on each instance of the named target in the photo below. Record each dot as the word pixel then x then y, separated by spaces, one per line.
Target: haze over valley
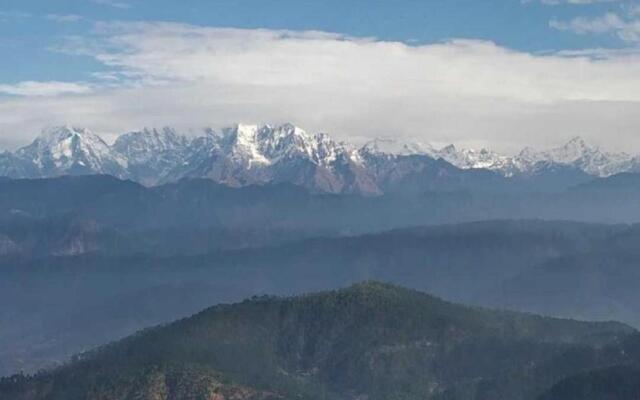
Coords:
pixel 330 200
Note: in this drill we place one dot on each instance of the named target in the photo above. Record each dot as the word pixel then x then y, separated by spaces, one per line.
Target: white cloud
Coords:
pixel 64 17
pixel 627 29
pixel 50 88
pixel 463 91
pixel 625 25
pixel 112 3
pixel 166 52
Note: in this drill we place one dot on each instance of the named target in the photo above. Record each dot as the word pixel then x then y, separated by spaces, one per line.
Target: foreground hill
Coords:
pixel 371 340
pixel 614 383
pixel 618 382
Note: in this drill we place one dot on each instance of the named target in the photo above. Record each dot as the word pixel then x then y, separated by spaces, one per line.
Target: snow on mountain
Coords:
pixel 261 154
pixel 575 154
pixel 144 146
pixel 72 151
pixel 396 148
pixel 413 168
pixel 248 147
pixel 578 153
pixel 16 167
pixel 634 165
pixel 476 159
pixel 151 154
pixel 269 145
pixel 461 158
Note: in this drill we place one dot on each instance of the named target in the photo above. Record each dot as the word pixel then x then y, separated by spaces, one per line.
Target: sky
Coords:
pixel 502 74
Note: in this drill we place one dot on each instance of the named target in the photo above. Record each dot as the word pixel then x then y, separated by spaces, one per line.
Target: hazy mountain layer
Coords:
pixel 53 306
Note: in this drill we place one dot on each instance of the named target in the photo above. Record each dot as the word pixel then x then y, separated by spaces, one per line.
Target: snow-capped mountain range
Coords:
pixel 260 154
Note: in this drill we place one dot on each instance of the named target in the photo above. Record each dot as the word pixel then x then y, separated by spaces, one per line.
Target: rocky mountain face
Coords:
pixel 467 158
pixel 575 154
pixel 251 154
pixel 579 154
pixel 71 151
pixel 151 154
pixel 264 154
pixel 14 166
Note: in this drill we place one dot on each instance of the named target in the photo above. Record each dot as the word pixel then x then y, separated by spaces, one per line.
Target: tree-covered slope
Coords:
pixel 371 340
pixel 618 382
pixel 614 383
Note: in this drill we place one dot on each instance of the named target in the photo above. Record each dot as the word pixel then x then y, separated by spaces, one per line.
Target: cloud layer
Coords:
pixel 626 30
pixel 51 88
pixel 464 91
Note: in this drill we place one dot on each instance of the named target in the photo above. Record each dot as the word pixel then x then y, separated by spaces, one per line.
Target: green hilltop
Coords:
pixel 369 341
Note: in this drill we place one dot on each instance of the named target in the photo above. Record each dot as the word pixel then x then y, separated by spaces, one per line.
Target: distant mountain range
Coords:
pixel 264 154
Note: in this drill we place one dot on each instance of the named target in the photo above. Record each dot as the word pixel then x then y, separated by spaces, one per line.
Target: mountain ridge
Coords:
pixel 259 154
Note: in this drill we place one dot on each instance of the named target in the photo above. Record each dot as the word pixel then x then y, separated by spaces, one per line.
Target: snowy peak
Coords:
pixel 449 150
pixel 268 145
pixel 527 153
pixel 285 140
pixel 473 159
pixel 262 154
pixel 67 142
pixel 162 139
pixel 72 150
pixel 259 154
pixel 579 154
pixel 146 145
pixel 54 135
pixel 241 144
pixel 392 147
pixel 576 153
pixel 577 142
pixel 151 153
pixel 573 151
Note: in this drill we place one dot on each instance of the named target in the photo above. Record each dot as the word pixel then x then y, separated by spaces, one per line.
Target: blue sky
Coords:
pixel 502 73
pixel 27 33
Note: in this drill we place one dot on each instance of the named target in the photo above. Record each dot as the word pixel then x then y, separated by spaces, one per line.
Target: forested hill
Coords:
pixel 371 340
